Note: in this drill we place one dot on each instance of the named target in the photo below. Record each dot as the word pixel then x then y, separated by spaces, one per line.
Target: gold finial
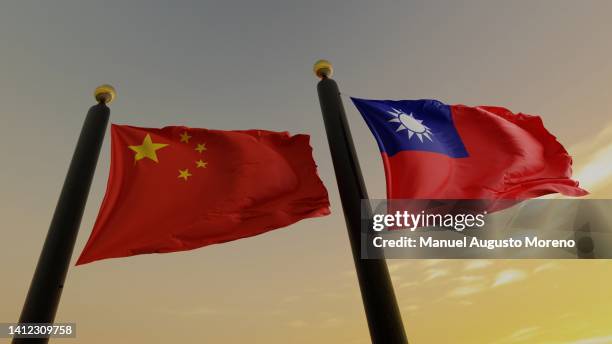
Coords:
pixel 323 69
pixel 105 93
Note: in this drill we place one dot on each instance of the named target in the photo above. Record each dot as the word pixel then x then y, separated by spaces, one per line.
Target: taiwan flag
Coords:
pixel 431 150
pixel 179 188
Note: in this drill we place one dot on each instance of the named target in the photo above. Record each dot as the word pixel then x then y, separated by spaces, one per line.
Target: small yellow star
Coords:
pixel 184 174
pixel 201 147
pixel 201 163
pixel 147 149
pixel 185 137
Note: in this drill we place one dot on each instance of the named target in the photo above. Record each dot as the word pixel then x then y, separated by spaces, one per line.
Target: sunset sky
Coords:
pixel 246 64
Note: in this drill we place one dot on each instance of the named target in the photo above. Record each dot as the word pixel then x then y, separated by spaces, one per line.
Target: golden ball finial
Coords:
pixel 323 69
pixel 105 93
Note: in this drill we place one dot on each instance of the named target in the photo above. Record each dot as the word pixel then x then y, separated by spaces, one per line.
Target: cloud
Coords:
pixel 598 171
pixel 396 266
pixel 431 262
pixel 523 334
pixel 470 278
pixel 594 340
pixel 435 273
pixel 509 276
pixel 478 264
pixel 545 266
pixel 466 290
pixel 411 308
pixel 407 285
pixel 594 170
pixel 297 324
pixel 520 335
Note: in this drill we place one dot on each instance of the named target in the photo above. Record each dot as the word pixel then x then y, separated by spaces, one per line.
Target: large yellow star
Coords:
pixel 147 149
pixel 184 174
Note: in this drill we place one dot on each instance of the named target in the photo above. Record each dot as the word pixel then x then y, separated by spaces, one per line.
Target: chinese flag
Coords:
pixel 179 188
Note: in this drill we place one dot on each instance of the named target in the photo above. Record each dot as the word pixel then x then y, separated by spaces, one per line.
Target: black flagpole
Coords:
pixel 384 319
pixel 46 287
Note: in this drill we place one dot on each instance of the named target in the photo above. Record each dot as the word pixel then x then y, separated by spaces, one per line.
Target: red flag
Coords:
pixel 431 150
pixel 179 188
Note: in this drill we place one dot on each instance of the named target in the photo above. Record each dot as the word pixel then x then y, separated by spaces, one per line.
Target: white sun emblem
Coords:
pixel 414 126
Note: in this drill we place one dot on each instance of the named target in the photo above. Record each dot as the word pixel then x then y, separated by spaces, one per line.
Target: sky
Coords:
pixel 245 64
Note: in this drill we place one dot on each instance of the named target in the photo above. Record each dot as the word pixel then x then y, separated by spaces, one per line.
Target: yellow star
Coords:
pixel 147 149
pixel 184 174
pixel 201 163
pixel 201 147
pixel 185 137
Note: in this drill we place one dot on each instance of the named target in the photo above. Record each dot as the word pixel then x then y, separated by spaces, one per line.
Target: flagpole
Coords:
pixel 46 287
pixel 382 312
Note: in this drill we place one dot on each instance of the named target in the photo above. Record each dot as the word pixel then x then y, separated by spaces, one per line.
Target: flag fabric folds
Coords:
pixel 179 188
pixel 431 150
